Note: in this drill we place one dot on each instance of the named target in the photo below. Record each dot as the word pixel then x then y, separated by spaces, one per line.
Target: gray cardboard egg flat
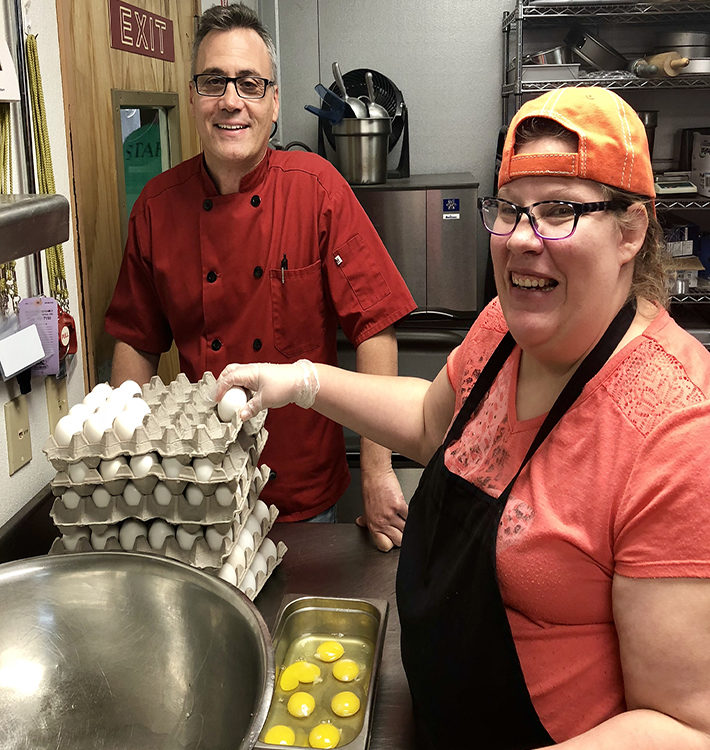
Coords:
pixel 200 555
pixel 245 451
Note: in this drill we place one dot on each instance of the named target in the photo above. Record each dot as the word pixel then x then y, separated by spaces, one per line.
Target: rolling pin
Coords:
pixel 668 63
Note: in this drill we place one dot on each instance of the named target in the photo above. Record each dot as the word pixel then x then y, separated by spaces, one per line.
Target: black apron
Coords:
pixel 464 675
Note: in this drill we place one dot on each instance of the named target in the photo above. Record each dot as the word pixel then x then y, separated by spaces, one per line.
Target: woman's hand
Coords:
pixel 271 385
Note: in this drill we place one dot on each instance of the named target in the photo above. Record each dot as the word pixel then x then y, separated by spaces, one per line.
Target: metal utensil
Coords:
pixel 373 108
pixel 359 108
pixel 125 650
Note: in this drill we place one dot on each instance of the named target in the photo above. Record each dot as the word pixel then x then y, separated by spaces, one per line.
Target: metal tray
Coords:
pixel 550 72
pixel 302 624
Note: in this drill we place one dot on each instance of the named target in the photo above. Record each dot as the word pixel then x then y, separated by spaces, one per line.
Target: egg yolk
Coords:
pixel 280 735
pixel 307 672
pixel 345 703
pixel 345 670
pixel 329 651
pixel 299 671
pixel 301 704
pixel 324 735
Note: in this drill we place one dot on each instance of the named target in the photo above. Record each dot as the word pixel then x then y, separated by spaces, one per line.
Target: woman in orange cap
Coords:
pixel 553 578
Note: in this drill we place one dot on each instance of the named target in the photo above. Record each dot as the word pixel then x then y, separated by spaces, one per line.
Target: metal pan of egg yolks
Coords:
pixel 343 639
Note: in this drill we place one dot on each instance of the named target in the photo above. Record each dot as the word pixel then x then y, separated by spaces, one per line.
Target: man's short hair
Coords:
pixel 226 18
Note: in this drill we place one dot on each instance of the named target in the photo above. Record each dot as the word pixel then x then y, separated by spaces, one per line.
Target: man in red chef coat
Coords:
pixel 246 254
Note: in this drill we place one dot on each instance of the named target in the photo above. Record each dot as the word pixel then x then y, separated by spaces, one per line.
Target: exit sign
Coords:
pixel 138 31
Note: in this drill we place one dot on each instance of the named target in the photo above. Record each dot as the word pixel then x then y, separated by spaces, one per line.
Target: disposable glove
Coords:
pixel 271 385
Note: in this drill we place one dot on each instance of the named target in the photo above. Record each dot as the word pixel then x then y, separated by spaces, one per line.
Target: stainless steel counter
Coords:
pixel 339 560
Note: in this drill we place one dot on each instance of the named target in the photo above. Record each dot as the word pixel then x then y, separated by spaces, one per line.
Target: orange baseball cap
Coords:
pixel 612 146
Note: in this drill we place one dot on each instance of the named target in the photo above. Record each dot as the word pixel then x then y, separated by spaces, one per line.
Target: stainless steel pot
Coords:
pixel 555 56
pixel 686 43
pixel 120 650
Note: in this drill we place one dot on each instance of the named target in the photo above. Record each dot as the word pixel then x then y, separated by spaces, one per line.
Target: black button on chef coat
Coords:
pixel 207 204
pixel 211 277
pixel 258 272
pixel 256 345
pixel 216 345
pixel 255 201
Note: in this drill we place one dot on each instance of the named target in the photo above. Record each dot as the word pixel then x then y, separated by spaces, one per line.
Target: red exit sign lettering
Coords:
pixel 138 31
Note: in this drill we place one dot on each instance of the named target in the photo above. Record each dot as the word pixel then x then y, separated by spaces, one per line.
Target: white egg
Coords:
pixel 101 497
pixel 204 468
pixel 162 494
pixel 186 538
pixel 93 400
pixel 214 538
pixel 118 397
pixel 227 573
pixel 131 494
pixel 143 464
pixel 137 406
pixel 71 541
pixel 172 466
pixel 248 584
pixel 245 540
pixel 101 390
pixel 261 511
pixel 268 549
pixel 81 411
pixel 223 495
pixel 253 525
pixel 71 499
pixel 232 403
pixel 66 428
pixel 109 467
pixel 77 471
pixel 100 536
pixel 237 558
pixel 194 494
pixel 158 532
pixel 130 387
pixel 130 530
pixel 125 424
pixel 96 425
pixel 258 564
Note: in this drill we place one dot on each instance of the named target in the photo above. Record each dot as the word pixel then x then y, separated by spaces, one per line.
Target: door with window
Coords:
pixel 127 120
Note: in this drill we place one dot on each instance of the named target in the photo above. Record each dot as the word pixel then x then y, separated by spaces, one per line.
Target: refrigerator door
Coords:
pixel 451 250
pixel 400 217
pixel 428 223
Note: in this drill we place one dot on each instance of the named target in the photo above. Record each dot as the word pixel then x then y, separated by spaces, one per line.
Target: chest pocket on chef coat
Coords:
pixel 359 265
pixel 298 309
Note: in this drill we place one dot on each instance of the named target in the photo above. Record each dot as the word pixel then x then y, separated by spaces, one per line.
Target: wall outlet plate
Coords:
pixel 17 429
pixel 57 403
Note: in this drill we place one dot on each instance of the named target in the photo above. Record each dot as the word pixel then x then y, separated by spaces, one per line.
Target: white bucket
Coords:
pixel 700 163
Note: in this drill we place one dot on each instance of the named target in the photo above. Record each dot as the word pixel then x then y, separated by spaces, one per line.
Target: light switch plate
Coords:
pixel 57 404
pixel 17 429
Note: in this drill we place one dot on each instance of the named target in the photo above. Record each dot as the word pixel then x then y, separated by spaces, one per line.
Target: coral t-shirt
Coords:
pixel 621 485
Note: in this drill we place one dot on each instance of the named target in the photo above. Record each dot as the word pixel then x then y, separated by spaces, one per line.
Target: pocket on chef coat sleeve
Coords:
pixel 358 263
pixel 298 309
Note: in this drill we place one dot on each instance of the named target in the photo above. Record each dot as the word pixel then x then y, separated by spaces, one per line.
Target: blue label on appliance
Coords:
pixel 451 205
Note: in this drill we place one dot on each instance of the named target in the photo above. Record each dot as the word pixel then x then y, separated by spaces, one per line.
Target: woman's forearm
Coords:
pixel 390 410
pixel 639 729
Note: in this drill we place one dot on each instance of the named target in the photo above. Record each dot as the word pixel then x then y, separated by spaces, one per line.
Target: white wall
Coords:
pixel 445 57
pixel 18 489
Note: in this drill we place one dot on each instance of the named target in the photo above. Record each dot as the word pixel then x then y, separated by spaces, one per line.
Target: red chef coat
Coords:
pixel 262 275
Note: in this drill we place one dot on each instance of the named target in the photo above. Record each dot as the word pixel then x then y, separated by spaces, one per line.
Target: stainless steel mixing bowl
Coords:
pixel 123 651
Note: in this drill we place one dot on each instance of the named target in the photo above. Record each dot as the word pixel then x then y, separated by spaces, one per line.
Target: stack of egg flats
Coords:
pixel 161 469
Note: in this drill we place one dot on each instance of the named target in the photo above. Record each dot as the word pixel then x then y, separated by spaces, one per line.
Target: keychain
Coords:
pixel 67 333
